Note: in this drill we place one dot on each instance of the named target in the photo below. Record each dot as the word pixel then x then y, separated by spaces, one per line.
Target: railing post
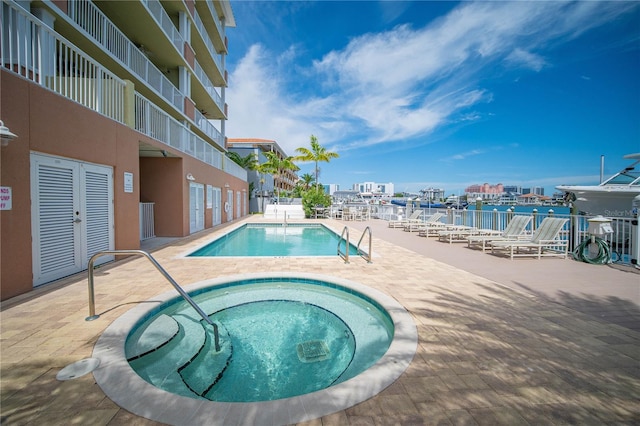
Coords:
pixel 494 225
pixel 534 224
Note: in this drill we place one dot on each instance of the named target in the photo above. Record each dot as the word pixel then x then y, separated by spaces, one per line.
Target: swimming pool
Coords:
pixel 275 240
pixel 120 383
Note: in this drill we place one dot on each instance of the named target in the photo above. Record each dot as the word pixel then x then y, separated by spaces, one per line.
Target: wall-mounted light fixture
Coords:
pixel 190 177
pixel 6 135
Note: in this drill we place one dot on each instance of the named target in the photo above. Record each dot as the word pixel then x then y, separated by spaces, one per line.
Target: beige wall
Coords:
pixel 48 123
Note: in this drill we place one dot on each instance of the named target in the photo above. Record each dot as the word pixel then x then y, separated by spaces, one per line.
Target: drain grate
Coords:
pixel 313 351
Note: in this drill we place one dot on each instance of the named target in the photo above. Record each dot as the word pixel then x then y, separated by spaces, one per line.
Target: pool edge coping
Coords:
pixel 186 254
pixel 123 386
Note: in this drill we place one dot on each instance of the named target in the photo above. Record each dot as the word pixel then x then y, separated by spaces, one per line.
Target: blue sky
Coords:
pixel 441 94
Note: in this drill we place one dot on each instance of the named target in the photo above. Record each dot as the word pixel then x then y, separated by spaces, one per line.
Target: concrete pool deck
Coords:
pixel 527 341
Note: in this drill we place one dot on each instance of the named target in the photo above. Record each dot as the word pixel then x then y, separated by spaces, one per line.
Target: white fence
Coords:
pixel 147 229
pixel 621 241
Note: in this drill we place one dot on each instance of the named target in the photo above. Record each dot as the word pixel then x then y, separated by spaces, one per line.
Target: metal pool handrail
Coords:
pixel 344 255
pixel 360 252
pixel 92 309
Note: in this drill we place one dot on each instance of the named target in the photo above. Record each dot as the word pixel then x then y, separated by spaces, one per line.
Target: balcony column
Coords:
pixel 130 104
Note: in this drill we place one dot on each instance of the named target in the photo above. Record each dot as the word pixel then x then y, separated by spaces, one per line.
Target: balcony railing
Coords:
pixel 153 122
pixel 216 21
pixel 34 51
pixel 96 24
pixel 209 129
pixel 208 85
pixel 207 41
pixel 160 15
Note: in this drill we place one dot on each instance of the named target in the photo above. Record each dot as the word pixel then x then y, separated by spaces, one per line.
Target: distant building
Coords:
pixel 331 188
pixel 258 147
pixel 374 189
pixel 533 199
pixel 537 190
pixel 433 194
pixel 512 189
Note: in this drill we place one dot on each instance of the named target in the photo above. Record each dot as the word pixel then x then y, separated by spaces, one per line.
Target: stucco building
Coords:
pixel 263 185
pixel 119 108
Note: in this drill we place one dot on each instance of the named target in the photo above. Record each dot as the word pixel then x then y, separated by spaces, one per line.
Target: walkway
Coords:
pixel 495 347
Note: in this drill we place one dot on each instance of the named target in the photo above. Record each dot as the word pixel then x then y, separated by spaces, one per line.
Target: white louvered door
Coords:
pixel 72 215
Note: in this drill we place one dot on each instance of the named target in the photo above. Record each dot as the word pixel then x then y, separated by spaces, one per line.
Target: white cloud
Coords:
pixel 401 83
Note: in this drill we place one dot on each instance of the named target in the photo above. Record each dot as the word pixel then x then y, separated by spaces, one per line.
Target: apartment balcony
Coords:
pixel 206 52
pixel 37 53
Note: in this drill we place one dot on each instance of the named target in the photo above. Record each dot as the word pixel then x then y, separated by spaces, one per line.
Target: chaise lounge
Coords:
pixel 433 220
pixel 401 223
pixel 545 241
pixel 513 231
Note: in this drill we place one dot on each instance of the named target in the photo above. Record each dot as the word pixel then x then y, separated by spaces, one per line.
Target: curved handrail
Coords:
pixel 360 252
pixel 92 309
pixel 344 255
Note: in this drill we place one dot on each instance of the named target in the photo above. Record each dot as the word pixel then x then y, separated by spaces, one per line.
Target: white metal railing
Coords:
pixel 147 229
pixel 92 298
pixel 34 51
pixel 96 25
pixel 207 40
pixel 209 129
pixel 164 21
pixel 153 122
pixel 208 85
pixel 216 21
pixel 575 231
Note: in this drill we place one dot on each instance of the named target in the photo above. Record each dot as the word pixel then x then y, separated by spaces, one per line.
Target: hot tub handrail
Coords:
pixel 362 253
pixel 92 309
pixel 344 255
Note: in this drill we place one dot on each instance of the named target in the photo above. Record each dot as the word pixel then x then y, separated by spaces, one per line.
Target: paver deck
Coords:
pixel 501 342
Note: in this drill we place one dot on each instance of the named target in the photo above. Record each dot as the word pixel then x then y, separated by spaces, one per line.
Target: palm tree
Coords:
pixel 277 166
pixel 306 180
pixel 262 170
pixel 316 153
pixel 248 162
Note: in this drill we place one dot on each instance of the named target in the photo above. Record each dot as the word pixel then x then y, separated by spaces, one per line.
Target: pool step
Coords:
pixel 144 341
pixel 163 356
pixel 208 366
pixel 161 366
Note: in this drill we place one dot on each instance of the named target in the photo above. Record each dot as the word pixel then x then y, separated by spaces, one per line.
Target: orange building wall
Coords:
pixel 15 248
pixel 50 124
pixel 161 183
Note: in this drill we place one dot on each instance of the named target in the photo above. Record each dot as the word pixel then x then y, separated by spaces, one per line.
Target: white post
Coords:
pixel 635 233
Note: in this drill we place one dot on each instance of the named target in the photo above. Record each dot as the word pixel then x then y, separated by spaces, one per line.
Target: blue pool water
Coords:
pixel 279 338
pixel 276 240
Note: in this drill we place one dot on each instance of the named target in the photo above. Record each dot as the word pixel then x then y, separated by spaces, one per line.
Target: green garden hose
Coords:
pixel 585 251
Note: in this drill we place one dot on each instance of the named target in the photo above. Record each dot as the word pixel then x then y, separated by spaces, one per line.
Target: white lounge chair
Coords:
pixel 545 241
pixel 454 233
pixel 433 220
pixel 400 223
pixel 513 231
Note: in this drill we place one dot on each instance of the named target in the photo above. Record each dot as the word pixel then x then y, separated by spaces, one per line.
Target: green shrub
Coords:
pixel 312 198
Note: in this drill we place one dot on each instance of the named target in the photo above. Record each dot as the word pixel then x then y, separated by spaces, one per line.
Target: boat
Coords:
pixel 612 198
